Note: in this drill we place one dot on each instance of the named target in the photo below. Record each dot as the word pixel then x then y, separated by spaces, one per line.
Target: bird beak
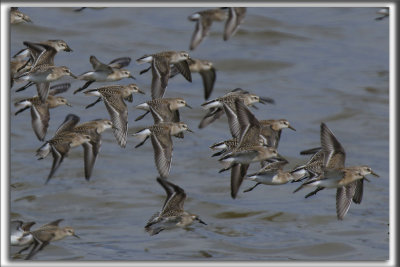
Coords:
pixel 374 174
pixel 141 92
pixel 131 76
pixel 76 236
pixel 365 178
pixel 188 106
pixel 73 76
pixel 68 49
pixel 291 128
pixel 264 100
pixel 200 221
pixel 189 130
pixel 68 104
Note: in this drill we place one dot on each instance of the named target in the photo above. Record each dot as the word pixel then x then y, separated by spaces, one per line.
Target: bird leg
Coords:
pixel 25 248
pixel 22 109
pixel 144 71
pixel 142 116
pixel 141 143
pixel 314 192
pixel 86 85
pixel 24 87
pixel 94 103
pixel 32 252
pixel 219 153
pixel 251 188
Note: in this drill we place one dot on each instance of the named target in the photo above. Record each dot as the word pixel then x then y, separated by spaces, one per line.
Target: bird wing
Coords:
pixel 202 29
pixel 59 88
pixel 235 18
pixel 53 223
pixel 40 119
pixel 40 53
pixel 358 194
pixel 119 116
pixel 120 62
pixel 334 154
pixel 249 126
pixel 161 71
pixel 89 157
pixel 175 202
pixel 233 121
pixel 211 116
pixel 162 145
pixel 100 66
pixel 344 195
pixel 43 90
pixel 71 120
pixel 237 174
pixel 208 77
pixel 184 69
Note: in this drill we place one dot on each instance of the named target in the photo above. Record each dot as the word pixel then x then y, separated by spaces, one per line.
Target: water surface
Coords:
pixel 319 64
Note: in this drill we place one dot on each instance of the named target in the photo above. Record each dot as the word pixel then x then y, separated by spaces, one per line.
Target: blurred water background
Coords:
pixel 319 64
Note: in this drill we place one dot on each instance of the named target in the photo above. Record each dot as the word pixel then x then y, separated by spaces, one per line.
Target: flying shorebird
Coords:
pixel 161 69
pixel 63 140
pixel 172 213
pixel 20 234
pixel 204 20
pixel 40 115
pixel 42 53
pixel 110 72
pixel 91 149
pixel 271 174
pixel 17 16
pixel 251 145
pixel 113 97
pixel 48 233
pixel 217 107
pixel 161 140
pixel 164 110
pixel 42 75
pixel 347 180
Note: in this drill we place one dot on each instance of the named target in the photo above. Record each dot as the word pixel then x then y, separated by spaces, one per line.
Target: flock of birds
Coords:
pixel 253 140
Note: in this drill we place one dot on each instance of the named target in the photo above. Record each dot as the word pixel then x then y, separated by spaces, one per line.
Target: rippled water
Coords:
pixel 319 64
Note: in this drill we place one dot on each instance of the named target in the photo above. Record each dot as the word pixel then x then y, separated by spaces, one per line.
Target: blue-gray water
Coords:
pixel 319 64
